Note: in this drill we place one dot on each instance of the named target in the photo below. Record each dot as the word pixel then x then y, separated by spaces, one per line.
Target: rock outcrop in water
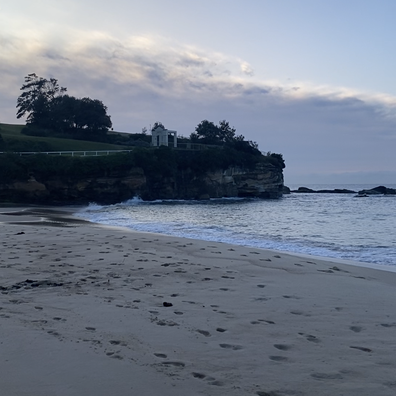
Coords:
pixel 378 190
pixel 264 181
pixel 335 191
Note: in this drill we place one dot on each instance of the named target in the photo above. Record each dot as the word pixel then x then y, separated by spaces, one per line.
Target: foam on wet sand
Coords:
pixel 92 310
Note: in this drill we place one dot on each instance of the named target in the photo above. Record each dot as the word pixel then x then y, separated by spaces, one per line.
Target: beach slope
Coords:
pixel 93 310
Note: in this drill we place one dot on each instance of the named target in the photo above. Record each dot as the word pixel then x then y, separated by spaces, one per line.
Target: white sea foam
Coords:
pixel 326 225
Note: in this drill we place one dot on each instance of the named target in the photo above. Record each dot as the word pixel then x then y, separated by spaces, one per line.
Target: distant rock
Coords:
pixel 378 191
pixel 335 191
pixel 304 190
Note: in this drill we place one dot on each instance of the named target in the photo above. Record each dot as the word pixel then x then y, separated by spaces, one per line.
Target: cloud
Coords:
pixel 247 69
pixel 143 79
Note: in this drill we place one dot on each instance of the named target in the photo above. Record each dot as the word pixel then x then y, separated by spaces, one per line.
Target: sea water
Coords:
pixel 340 226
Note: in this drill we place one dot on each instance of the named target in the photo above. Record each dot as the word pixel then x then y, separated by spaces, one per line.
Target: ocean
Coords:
pixel 339 226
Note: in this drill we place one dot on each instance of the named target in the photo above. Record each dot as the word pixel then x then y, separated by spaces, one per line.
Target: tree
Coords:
pixel 36 99
pixel 2 143
pixel 156 125
pixel 47 106
pixel 207 132
pixel 91 117
pixel 227 134
pixel 63 113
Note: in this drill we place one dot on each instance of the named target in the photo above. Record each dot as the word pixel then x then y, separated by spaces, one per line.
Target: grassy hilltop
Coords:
pixel 14 140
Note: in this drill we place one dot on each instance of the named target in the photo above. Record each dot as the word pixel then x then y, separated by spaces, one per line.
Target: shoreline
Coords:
pixel 91 309
pixel 68 212
pixel 381 267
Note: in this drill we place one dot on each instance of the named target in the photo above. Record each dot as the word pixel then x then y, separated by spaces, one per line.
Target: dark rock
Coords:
pixel 167 304
pixel 305 190
pixel 335 191
pixel 379 190
pixel 264 181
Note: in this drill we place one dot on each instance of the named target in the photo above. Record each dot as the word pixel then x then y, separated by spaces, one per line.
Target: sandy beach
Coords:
pixel 93 310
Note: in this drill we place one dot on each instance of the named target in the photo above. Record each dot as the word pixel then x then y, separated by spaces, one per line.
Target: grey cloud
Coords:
pixel 328 101
pixel 256 91
pixel 190 62
pixel 53 55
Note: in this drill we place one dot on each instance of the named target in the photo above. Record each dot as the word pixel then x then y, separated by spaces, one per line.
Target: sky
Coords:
pixel 313 80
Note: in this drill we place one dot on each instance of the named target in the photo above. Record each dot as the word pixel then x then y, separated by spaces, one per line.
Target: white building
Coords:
pixel 160 137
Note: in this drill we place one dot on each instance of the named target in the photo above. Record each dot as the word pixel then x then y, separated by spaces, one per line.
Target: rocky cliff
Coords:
pixel 265 181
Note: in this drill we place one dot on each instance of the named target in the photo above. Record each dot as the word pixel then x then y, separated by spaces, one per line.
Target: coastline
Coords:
pixel 91 309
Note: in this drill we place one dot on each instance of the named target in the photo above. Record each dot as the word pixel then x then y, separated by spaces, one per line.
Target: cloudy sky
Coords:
pixel 311 79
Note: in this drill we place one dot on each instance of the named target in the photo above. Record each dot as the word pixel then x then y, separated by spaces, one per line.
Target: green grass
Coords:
pixel 12 133
pixel 10 130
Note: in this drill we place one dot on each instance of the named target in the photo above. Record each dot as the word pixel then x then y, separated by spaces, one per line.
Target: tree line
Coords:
pixel 47 107
pixel 206 132
pixel 50 111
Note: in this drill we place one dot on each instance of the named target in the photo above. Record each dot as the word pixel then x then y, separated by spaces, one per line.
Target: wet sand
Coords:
pixel 93 310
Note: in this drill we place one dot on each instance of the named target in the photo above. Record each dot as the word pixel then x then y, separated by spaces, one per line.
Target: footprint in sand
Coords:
pixel 230 346
pixel 326 376
pixel 356 329
pixel 204 333
pixel 388 324
pixel 175 364
pixel 279 358
pixel 310 337
pixel 267 321
pixel 160 355
pixel 167 323
pixel 199 375
pixel 216 383
pixel 114 355
pixel 116 342
pixel 299 313
pixel 361 348
pixel 211 380
pixel 282 347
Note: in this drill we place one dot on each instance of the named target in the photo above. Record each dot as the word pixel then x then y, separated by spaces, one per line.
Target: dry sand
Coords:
pixel 92 310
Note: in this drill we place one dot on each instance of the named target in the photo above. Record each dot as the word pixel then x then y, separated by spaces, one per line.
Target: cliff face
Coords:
pixel 265 181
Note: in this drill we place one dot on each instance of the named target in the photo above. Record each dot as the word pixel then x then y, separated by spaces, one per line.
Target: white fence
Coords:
pixel 96 153
pixel 72 153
